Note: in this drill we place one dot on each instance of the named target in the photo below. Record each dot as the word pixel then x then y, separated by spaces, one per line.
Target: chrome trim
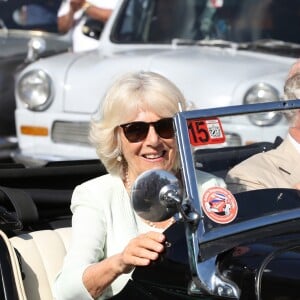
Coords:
pixel 27 101
pixel 74 133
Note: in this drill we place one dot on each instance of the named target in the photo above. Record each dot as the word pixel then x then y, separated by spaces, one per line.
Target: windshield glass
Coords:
pixel 161 21
pixel 29 15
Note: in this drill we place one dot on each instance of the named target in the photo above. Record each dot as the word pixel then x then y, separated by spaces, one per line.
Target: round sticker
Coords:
pixel 219 205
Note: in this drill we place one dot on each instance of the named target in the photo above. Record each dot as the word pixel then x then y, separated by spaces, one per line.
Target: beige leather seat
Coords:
pixel 42 253
pixel 15 267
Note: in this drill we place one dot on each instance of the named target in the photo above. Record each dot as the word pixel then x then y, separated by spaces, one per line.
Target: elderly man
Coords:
pixel 278 168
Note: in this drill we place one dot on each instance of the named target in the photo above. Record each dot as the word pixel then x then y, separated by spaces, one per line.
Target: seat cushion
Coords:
pixel 42 253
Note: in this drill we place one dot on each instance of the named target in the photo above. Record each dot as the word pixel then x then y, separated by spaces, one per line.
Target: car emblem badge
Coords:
pixel 219 205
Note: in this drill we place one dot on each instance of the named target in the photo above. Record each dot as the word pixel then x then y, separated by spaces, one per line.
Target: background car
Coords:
pixel 216 52
pixel 28 31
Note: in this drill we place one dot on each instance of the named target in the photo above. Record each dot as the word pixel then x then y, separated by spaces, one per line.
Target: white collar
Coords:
pixel 294 142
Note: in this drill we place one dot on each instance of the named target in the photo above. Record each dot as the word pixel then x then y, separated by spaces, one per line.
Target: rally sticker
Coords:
pixel 219 205
pixel 205 131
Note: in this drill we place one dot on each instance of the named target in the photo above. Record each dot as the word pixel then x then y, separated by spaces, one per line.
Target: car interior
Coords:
pixel 220 161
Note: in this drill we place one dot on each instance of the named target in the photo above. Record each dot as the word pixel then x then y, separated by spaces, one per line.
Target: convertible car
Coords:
pixel 222 246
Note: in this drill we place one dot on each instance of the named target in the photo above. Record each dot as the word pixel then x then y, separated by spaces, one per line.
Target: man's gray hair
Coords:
pixel 292 92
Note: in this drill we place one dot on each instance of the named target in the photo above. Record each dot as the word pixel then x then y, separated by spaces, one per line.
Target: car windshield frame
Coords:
pixel 204 241
pixel 205 234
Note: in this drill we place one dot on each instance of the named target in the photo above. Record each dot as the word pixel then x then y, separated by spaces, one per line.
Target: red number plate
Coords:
pixel 205 131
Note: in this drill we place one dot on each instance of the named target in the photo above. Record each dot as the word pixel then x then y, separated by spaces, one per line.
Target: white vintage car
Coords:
pixel 218 52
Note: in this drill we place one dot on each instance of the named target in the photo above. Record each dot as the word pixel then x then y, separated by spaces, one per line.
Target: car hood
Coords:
pixel 218 76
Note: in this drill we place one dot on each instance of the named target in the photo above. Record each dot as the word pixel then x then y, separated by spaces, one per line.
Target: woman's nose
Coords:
pixel 152 136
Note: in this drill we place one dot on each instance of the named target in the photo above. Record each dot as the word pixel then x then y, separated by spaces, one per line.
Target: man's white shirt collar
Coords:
pixel 294 142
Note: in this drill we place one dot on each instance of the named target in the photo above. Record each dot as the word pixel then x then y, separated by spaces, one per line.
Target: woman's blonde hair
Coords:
pixel 127 95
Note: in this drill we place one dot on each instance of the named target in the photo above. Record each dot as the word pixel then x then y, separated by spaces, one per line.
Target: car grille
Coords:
pixel 71 133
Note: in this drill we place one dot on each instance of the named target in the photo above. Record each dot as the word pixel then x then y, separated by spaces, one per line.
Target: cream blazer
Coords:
pixel 103 223
pixel 279 167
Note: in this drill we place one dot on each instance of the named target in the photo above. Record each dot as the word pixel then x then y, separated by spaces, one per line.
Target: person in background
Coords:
pixel 277 168
pixel 74 15
pixel 134 133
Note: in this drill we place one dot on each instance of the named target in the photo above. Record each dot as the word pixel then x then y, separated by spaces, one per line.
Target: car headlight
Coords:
pixel 35 90
pixel 261 93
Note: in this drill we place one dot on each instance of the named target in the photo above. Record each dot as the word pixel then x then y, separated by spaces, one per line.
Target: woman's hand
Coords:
pixel 141 250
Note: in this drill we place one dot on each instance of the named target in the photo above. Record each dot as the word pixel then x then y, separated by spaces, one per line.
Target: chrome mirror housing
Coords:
pixel 156 195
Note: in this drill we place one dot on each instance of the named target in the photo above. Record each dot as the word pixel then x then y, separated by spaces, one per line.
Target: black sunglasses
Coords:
pixel 138 131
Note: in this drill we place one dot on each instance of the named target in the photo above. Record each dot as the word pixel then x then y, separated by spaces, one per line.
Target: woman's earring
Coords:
pixel 119 158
